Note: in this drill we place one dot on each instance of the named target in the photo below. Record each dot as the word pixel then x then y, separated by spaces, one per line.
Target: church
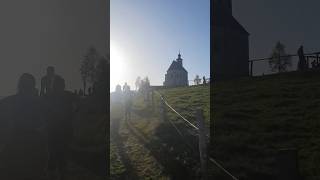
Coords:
pixel 230 43
pixel 176 75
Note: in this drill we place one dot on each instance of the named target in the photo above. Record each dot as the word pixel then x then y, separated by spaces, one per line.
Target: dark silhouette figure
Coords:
pixel 23 155
pixel 126 88
pixel 47 81
pixel 204 80
pixel 60 130
pixel 89 91
pixel 80 92
pixel 302 64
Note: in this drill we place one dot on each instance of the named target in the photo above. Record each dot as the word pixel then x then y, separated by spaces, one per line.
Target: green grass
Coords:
pixel 255 117
pixel 153 148
pixel 186 100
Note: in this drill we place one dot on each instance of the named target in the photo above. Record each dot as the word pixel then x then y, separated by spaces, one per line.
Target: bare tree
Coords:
pixel 87 68
pixel 279 60
pixel 197 80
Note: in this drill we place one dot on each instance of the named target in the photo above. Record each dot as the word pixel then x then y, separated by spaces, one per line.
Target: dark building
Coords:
pixel 230 43
pixel 176 75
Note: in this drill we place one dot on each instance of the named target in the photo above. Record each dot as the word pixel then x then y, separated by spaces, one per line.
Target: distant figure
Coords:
pixel 89 91
pixel 47 81
pixel 23 155
pixel 138 83
pixel 302 64
pixel 60 129
pixel 126 88
pixel 118 89
pixel 204 80
pixel 127 104
pixel 75 92
pixel 80 92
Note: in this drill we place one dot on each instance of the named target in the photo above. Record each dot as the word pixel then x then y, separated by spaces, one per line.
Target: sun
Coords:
pixel 117 66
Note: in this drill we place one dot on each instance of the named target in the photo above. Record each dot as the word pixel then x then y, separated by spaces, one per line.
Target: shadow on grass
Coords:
pixel 130 170
pixel 178 161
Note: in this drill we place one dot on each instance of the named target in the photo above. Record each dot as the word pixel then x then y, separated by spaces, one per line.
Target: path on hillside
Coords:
pixel 131 149
pixel 146 148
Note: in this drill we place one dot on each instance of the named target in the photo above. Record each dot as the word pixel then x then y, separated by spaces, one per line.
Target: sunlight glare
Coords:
pixel 117 66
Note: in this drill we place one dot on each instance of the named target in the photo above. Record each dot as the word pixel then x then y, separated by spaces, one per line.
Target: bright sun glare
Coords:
pixel 117 66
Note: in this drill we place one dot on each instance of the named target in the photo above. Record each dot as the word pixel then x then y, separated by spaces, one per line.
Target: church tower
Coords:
pixel 179 59
pixel 223 6
pixel 230 43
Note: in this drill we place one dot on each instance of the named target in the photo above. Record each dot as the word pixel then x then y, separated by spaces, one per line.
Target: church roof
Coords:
pixel 228 21
pixel 235 24
pixel 176 66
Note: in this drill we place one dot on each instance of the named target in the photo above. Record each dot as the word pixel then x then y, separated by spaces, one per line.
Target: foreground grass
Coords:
pixel 255 117
pixel 151 148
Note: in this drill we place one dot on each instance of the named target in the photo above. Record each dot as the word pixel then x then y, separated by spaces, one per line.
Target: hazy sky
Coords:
pixel 146 35
pixel 38 33
pixel 293 22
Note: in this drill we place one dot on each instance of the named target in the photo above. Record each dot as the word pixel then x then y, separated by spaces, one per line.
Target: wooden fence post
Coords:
pixel 251 68
pixel 202 144
pixel 279 65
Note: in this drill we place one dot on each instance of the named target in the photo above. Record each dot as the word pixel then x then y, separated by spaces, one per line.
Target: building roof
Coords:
pixel 225 20
pixel 176 66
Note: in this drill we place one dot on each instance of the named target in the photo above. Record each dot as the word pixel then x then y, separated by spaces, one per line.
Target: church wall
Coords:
pixel 176 78
pixel 231 54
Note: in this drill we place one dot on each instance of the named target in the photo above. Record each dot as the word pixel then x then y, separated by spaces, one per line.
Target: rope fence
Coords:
pixel 263 67
pixel 202 139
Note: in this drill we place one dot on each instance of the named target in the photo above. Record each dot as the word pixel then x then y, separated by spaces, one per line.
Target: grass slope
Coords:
pixel 255 117
pixel 186 100
pixel 149 148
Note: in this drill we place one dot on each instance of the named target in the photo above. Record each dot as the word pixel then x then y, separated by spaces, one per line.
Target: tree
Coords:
pixel 197 80
pixel 277 62
pixel 101 82
pixel 88 68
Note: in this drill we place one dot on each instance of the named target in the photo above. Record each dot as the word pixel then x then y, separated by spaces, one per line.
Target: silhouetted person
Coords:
pixel 47 81
pixel 204 80
pixel 60 130
pixel 80 92
pixel 24 153
pixel 302 64
pixel 127 103
pixel 89 91
pixel 126 88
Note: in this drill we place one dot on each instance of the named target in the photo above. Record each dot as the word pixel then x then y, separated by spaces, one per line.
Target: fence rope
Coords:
pixel 186 120
pixel 210 159
pixel 222 168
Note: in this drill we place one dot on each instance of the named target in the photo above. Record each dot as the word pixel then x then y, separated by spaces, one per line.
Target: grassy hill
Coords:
pixel 146 147
pixel 255 117
pixel 186 100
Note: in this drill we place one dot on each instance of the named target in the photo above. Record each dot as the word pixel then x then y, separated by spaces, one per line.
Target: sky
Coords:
pixel 37 33
pixel 146 35
pixel 292 22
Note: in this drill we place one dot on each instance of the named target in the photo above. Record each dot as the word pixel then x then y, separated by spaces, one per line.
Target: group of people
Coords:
pixel 36 129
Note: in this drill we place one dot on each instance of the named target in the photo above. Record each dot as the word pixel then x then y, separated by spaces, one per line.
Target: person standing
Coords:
pixel 60 129
pixel 22 134
pixel 47 81
pixel 302 64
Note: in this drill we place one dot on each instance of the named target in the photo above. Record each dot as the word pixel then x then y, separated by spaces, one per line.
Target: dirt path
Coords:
pixel 132 153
